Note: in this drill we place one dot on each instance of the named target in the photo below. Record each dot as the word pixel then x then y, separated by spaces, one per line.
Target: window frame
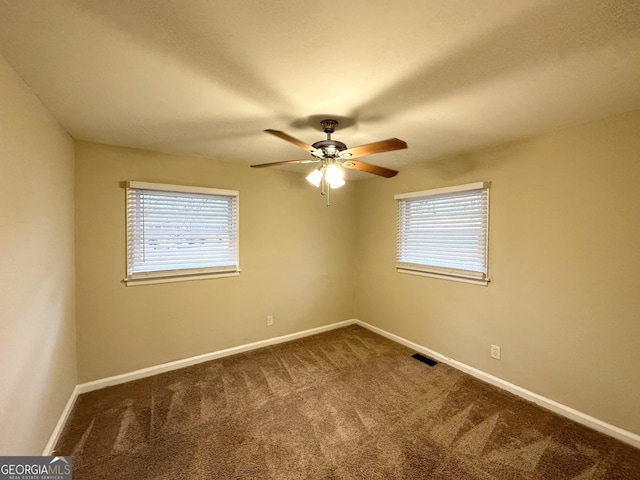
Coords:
pixel 444 272
pixel 182 274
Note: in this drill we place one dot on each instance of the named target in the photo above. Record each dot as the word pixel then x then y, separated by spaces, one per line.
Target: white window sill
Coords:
pixel 473 281
pixel 131 282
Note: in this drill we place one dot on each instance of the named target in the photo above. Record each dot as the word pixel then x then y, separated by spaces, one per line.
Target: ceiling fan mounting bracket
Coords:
pixel 329 125
pixel 330 148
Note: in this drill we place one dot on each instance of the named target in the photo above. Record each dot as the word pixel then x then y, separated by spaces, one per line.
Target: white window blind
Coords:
pixel 179 231
pixel 445 232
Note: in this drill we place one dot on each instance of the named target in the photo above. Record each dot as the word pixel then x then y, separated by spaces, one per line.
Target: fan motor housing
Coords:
pixel 330 147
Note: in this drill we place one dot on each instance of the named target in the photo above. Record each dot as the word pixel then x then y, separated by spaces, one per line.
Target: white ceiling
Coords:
pixel 206 77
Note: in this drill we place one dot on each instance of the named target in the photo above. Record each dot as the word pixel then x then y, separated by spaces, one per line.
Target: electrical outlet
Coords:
pixel 269 320
pixel 495 352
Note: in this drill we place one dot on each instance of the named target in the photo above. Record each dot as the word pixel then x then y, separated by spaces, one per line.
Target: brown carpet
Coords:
pixel 344 404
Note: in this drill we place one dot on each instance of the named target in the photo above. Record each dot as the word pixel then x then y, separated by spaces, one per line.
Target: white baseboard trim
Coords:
pixel 568 412
pixel 187 362
pixel 575 415
pixel 175 365
pixel 53 439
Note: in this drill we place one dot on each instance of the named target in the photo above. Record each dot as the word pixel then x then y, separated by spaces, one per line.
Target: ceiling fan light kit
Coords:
pixel 332 154
pixel 330 174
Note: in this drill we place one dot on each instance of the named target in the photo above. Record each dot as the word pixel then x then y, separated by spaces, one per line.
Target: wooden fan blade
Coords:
pixel 296 142
pixel 367 167
pixel 371 148
pixel 286 162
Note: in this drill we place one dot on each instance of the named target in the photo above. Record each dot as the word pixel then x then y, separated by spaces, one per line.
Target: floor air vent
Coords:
pixel 424 359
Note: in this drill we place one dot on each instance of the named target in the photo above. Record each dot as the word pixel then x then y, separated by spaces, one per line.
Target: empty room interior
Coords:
pixel 321 239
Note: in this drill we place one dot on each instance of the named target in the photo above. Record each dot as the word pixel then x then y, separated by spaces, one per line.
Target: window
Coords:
pixel 179 233
pixel 444 232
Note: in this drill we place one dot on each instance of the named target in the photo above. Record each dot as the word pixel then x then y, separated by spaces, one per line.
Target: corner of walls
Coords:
pixel 38 344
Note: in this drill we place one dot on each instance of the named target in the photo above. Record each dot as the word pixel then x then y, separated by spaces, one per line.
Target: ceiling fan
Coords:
pixel 331 155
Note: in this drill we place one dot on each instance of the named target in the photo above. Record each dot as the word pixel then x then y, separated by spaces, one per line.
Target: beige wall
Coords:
pixel 296 257
pixel 564 303
pixel 37 344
